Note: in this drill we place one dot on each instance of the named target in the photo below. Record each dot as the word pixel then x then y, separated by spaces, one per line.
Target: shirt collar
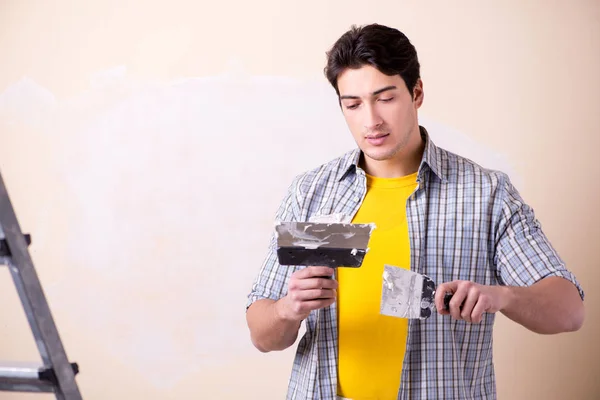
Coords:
pixel 431 159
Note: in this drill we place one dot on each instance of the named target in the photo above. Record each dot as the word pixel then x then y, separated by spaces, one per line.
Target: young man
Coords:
pixel 436 213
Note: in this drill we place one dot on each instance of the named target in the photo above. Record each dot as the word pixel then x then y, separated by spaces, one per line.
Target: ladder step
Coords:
pixel 27 372
pixel 25 385
pixel 21 379
pixel 29 379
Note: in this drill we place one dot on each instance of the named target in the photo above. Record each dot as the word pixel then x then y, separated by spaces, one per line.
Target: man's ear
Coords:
pixel 418 93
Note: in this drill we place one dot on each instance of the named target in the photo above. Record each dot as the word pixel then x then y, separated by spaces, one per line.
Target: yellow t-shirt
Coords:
pixel 371 345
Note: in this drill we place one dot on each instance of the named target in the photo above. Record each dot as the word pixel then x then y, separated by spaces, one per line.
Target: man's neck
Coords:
pixel 404 163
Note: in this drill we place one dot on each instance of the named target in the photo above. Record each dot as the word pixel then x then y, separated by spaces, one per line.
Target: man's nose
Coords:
pixel 372 118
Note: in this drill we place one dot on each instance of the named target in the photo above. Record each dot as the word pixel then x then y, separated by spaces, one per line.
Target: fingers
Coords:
pixel 298 310
pixel 310 278
pixel 317 304
pixel 449 287
pixel 458 298
pixel 309 289
pixel 477 313
pixel 307 295
pixel 310 272
pixel 469 300
pixel 300 303
pixel 313 283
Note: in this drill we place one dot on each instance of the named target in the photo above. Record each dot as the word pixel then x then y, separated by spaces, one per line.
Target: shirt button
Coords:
pixel 356 198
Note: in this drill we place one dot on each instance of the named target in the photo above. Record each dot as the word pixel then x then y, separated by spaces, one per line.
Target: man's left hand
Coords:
pixel 470 300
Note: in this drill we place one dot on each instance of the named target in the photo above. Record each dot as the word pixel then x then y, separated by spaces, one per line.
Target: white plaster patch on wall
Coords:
pixel 108 77
pixel 459 143
pixel 175 188
pixel 25 100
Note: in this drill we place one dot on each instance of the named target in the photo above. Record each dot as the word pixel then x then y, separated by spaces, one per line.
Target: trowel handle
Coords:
pixel 330 276
pixel 447 298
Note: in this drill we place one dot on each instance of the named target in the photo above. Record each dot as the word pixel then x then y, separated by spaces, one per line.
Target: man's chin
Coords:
pixel 379 154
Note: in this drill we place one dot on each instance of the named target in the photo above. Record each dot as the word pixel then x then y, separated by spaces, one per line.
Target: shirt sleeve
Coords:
pixel 272 279
pixel 524 255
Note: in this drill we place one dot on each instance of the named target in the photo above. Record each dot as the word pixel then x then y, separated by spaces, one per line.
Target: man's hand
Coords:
pixel 274 324
pixel 309 289
pixel 470 300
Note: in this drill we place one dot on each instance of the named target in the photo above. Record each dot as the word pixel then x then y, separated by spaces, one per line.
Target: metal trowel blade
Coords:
pixel 406 294
pixel 322 244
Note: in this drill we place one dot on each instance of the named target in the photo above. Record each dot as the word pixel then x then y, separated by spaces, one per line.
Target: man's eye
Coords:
pixel 351 106
pixel 386 100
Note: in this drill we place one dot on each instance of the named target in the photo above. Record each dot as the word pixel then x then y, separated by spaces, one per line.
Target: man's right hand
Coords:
pixel 309 289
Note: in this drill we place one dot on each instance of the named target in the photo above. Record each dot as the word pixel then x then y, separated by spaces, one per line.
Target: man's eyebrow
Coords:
pixel 385 89
pixel 375 93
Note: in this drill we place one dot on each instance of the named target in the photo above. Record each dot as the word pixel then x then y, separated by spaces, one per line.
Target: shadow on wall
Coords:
pixel 172 188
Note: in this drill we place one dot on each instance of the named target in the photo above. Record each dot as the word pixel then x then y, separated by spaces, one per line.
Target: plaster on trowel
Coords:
pixel 322 244
pixel 408 294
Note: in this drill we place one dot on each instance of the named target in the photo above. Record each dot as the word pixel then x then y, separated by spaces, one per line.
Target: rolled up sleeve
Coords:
pixel 524 255
pixel 272 279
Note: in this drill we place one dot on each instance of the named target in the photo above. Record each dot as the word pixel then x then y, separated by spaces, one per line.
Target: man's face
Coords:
pixel 379 110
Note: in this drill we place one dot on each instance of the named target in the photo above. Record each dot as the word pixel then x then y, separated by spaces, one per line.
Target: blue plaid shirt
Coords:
pixel 465 223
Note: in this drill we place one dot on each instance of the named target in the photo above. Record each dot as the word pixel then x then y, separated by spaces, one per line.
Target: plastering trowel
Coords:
pixel 322 244
pixel 408 294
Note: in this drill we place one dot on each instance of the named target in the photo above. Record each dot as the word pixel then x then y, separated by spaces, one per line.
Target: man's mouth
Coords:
pixel 378 139
pixel 379 135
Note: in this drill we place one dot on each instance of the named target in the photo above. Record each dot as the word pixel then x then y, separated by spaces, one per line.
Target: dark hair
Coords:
pixel 382 47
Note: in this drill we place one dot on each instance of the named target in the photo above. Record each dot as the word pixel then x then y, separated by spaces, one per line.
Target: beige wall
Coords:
pixel 519 79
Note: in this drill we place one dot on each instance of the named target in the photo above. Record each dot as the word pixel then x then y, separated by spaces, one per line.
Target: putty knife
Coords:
pixel 408 294
pixel 322 244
